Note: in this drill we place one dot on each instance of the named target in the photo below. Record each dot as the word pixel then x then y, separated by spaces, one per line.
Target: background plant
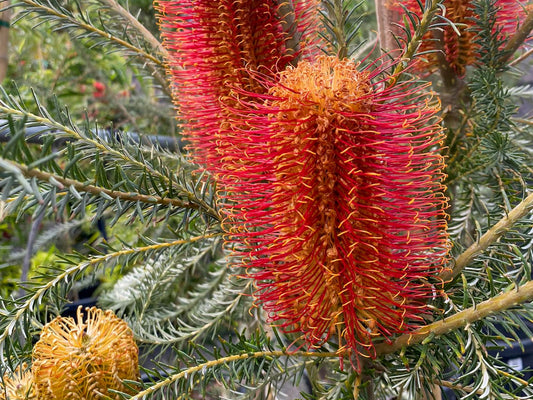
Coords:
pixel 88 74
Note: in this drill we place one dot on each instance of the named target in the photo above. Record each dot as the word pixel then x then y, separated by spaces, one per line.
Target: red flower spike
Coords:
pixel 461 50
pixel 339 210
pixel 215 45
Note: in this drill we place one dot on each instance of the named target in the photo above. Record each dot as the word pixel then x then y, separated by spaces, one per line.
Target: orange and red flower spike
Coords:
pixel 339 213
pixel 216 47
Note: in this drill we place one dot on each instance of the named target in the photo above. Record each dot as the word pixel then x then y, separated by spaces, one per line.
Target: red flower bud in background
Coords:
pixel 99 89
pixel 339 212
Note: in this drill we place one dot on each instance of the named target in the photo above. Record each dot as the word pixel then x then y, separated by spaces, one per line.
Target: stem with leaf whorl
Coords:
pixel 489 237
pixel 491 306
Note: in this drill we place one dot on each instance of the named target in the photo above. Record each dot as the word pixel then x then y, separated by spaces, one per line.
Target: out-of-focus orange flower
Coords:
pixel 84 358
pixel 17 385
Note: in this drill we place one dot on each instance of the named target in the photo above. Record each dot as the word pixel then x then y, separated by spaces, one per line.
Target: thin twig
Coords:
pixel 414 43
pixel 65 183
pixel 521 58
pixel 489 237
pixel 226 360
pixel 518 38
pixel 95 30
pixel 156 44
pixel 491 306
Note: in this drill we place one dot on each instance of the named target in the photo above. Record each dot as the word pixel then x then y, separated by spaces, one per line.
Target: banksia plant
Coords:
pixel 18 385
pixel 330 221
pixel 84 358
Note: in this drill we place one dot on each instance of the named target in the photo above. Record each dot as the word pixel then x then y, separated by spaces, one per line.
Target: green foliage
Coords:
pixel 87 202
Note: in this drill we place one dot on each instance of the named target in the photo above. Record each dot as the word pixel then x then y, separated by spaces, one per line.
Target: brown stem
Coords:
pixel 489 237
pixel 99 191
pixel 288 24
pixel 518 38
pixel 491 306
pixel 449 77
pixel 4 40
pixel 156 45
pixel 386 19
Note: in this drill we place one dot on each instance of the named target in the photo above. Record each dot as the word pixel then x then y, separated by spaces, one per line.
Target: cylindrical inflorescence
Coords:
pixel 340 212
pixel 219 46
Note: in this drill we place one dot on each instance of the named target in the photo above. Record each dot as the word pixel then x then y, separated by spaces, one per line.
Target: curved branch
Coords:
pixel 93 29
pixel 156 44
pixel 489 237
pixel 491 306
pixel 48 121
pixel 518 38
pixel 224 360
pixel 97 190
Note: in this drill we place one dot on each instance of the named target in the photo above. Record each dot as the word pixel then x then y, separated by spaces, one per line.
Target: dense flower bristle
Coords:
pixel 217 47
pixel 84 358
pixel 339 212
pixel 461 50
pixel 17 385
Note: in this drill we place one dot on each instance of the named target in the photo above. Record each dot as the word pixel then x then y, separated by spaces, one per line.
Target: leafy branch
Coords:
pixel 14 109
pixel 63 183
pixel 156 45
pixel 489 237
pixel 502 302
pixel 411 49
pixel 225 361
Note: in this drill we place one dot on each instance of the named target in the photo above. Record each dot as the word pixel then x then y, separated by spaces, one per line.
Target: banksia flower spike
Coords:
pixel 84 358
pixel 461 50
pixel 341 208
pixel 217 46
pixel 18 385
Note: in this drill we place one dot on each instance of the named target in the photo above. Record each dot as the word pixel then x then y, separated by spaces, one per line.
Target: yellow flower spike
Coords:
pixel 84 358
pixel 18 385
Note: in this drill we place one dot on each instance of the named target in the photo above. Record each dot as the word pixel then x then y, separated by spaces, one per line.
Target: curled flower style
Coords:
pixel 339 213
pixel 18 385
pixel 84 358
pixel 214 47
pixel 461 50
